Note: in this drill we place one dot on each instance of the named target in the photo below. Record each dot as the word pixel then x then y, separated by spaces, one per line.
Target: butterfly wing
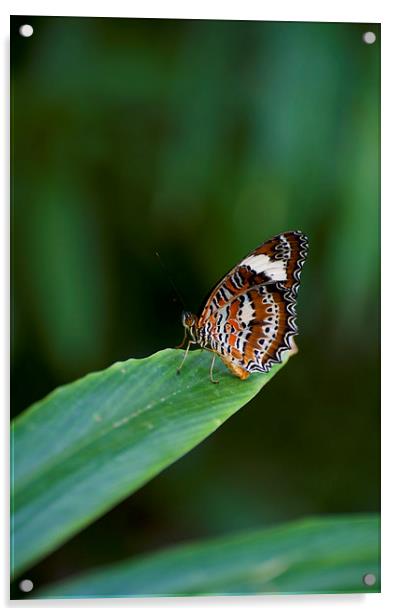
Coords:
pixel 249 318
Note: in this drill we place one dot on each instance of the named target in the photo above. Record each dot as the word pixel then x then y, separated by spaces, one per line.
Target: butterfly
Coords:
pixel 249 317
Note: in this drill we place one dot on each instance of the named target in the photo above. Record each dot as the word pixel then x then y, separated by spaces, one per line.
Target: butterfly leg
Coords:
pixel 212 369
pixel 184 356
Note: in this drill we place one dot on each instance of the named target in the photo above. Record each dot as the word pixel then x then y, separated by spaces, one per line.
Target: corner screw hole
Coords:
pixel 26 30
pixel 26 585
pixel 369 38
pixel 369 579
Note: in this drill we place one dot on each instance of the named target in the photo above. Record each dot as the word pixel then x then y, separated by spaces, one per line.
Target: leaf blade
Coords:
pixel 321 555
pixel 90 444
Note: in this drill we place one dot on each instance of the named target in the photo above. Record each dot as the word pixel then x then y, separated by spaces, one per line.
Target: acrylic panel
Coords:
pixel 214 184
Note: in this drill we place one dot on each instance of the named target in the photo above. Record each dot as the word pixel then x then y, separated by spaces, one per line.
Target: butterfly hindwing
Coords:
pixel 253 329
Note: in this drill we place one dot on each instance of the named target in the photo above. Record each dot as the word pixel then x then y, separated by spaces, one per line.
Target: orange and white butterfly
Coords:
pixel 249 317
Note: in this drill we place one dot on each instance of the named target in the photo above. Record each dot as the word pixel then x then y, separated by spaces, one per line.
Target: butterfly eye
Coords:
pixel 188 319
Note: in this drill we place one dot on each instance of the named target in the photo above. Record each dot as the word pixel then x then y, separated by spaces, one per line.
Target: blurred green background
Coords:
pixel 199 140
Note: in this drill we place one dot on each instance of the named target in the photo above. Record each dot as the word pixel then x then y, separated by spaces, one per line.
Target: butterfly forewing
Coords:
pixel 249 318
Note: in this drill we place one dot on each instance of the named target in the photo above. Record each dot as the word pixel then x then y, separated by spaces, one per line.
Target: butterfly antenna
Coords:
pixel 166 271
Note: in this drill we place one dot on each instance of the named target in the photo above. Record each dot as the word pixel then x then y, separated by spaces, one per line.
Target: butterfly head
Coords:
pixel 189 321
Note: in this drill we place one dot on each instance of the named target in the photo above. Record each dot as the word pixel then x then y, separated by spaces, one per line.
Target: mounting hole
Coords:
pixel 26 585
pixel 369 579
pixel 26 30
pixel 369 38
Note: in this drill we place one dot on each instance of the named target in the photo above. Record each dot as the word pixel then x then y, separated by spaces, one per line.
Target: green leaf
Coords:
pixel 319 555
pixel 90 444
